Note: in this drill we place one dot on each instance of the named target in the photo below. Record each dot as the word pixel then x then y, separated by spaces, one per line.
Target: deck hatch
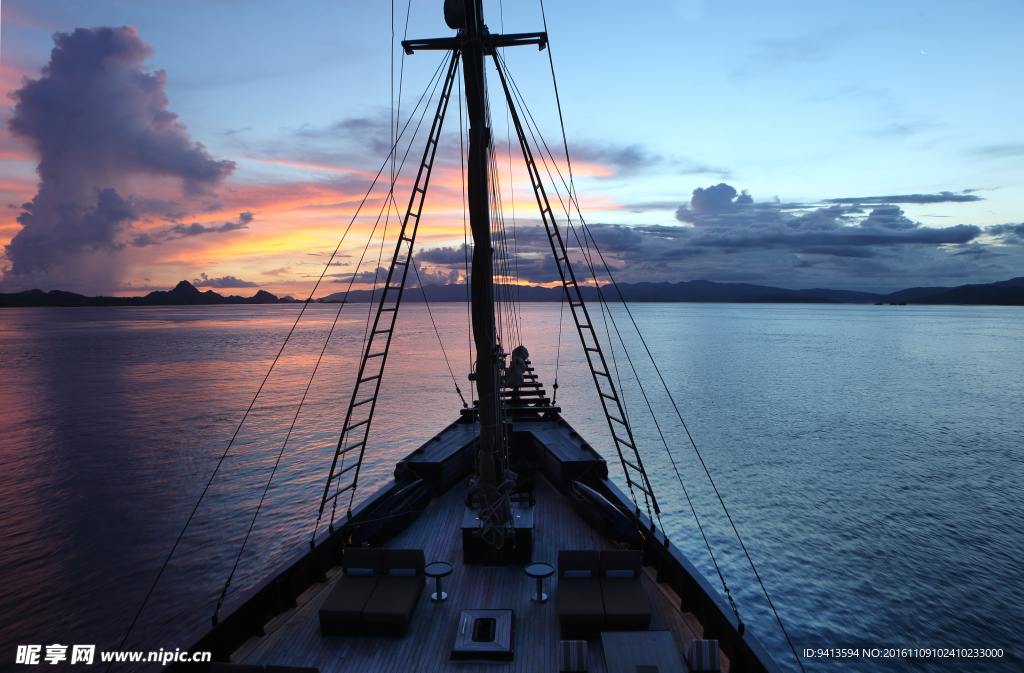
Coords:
pixel 485 635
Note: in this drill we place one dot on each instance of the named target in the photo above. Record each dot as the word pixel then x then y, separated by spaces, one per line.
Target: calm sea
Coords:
pixel 870 456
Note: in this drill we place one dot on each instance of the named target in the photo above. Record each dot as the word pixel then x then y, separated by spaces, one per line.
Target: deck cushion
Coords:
pixel 703 655
pixel 352 571
pixel 393 601
pixel 572 656
pixel 619 574
pixel 625 602
pixel 579 601
pixel 345 603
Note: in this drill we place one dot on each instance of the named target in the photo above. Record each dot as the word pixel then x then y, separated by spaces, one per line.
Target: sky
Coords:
pixel 864 146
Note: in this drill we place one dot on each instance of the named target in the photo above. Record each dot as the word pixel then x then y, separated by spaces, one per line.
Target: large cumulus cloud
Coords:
pixel 96 119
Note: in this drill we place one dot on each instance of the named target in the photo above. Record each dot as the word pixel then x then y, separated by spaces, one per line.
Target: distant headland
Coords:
pixel 184 293
pixel 1004 293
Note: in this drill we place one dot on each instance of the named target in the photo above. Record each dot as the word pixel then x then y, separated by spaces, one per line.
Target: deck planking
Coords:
pixel 293 637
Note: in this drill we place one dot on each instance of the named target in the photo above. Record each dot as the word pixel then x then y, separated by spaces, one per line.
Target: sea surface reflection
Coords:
pixel 871 458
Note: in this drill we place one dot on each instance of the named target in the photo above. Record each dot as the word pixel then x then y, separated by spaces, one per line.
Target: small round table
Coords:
pixel 539 571
pixel 437 570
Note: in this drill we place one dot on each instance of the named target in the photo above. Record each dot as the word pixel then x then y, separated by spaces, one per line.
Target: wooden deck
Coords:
pixel 293 637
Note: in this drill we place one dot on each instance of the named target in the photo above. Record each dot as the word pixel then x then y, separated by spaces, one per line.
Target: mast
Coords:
pixel 489 459
pixel 474 43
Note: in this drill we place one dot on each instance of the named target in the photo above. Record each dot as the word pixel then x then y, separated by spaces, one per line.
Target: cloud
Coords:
pixel 622 159
pixel 62 229
pixel 887 217
pixel 435 276
pixel 724 234
pixel 284 270
pixel 144 239
pixel 721 205
pixel 457 255
pixel 180 231
pixel 96 118
pixel 1010 233
pixel 225 282
pixel 368 277
pixel 196 229
pixel 941 197
pixel 1003 150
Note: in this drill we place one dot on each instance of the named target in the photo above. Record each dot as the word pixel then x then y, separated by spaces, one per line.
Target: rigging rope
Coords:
pixel 437 333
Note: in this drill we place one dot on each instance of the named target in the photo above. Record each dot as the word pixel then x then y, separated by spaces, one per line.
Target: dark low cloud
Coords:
pixel 623 159
pixel 437 276
pixel 180 231
pixel 96 119
pixel 225 282
pixel 369 277
pixel 457 255
pixel 60 230
pixel 144 239
pixel 196 229
pixel 887 217
pixel 941 197
pixel 1010 233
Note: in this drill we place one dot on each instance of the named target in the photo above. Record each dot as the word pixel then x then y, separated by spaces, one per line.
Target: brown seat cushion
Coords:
pixel 346 601
pixel 625 602
pixel 579 601
pixel 394 600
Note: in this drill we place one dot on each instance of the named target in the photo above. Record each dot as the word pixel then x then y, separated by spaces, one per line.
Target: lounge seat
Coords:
pixel 394 599
pixel 580 606
pixel 342 611
pixel 601 591
pixel 377 593
pixel 626 606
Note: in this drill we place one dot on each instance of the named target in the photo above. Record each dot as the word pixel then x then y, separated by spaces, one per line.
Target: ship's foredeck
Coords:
pixel 293 637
